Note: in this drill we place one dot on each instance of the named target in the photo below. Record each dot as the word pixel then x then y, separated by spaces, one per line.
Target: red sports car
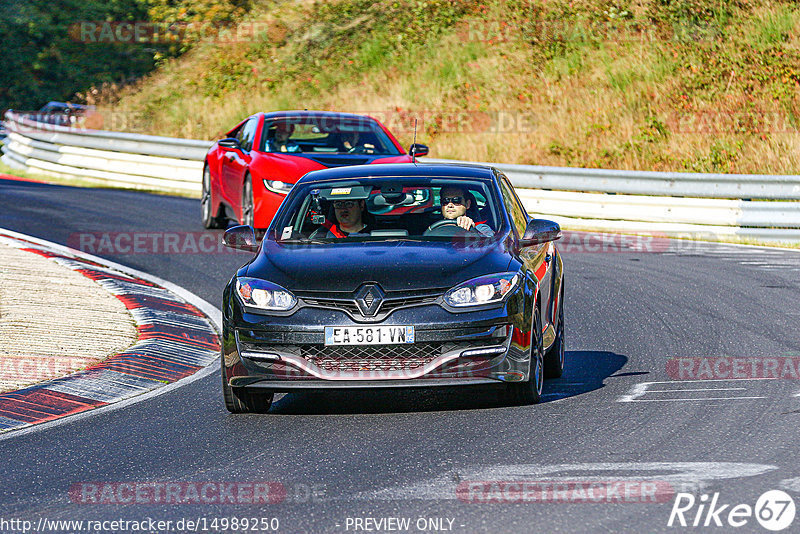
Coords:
pixel 247 175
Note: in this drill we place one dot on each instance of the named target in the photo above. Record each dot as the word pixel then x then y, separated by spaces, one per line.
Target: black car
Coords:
pixel 61 113
pixel 396 275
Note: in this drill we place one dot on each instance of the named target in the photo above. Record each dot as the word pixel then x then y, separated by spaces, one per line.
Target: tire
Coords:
pixel 211 220
pixel 556 356
pixel 248 214
pixel 530 391
pixel 243 401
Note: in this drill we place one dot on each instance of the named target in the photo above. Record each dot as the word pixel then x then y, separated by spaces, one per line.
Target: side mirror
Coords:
pixel 540 231
pixel 416 150
pixel 241 238
pixel 229 142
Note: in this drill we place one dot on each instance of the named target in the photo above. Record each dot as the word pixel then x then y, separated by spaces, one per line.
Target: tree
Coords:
pixel 44 58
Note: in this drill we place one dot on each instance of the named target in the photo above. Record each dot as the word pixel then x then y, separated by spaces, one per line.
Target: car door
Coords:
pixel 225 169
pixel 537 258
pixel 235 162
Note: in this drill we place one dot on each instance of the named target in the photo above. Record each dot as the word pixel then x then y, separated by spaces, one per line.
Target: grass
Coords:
pixel 773 27
pixel 576 83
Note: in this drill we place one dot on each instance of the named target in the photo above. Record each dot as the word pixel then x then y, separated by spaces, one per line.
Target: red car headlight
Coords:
pixel 276 186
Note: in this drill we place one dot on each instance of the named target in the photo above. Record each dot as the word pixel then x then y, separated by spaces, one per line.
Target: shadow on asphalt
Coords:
pixel 585 371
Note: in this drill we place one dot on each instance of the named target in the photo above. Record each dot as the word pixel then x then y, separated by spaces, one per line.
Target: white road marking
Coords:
pixel 213 313
pixel 791 484
pixel 697 389
pixel 770 259
pixel 641 389
pixel 695 399
pixel 682 476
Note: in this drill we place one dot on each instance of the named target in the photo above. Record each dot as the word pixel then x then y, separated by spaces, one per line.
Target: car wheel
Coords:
pixel 554 360
pixel 530 392
pixel 211 220
pixel 243 401
pixel 247 202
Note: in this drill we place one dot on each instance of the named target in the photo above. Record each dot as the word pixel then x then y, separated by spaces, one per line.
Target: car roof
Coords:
pixel 64 105
pixel 400 170
pixel 292 114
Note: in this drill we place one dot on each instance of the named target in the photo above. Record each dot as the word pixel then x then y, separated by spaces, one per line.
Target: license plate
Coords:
pixel 368 335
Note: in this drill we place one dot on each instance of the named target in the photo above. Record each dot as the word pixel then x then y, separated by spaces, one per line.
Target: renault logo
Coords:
pixel 369 299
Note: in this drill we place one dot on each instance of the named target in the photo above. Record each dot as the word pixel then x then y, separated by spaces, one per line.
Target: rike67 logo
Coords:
pixel 774 510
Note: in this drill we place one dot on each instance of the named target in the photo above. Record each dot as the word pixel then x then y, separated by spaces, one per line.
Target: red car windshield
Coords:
pixel 327 135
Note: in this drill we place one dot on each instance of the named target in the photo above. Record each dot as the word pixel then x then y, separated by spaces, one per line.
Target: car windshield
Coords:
pixel 327 135
pixel 378 209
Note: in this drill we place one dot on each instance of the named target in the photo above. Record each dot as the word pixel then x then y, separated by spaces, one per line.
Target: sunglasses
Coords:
pixel 454 200
pixel 344 204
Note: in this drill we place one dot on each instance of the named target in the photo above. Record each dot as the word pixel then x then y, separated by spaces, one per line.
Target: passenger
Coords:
pixel 349 219
pixel 281 141
pixel 455 204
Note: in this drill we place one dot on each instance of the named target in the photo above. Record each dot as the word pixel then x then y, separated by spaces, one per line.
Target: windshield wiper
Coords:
pixel 318 241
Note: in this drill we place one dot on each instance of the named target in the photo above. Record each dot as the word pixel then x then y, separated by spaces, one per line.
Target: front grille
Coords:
pixel 347 305
pixel 389 304
pixel 404 357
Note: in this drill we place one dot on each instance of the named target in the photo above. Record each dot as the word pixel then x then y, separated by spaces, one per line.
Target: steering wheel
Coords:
pixel 358 149
pixel 448 227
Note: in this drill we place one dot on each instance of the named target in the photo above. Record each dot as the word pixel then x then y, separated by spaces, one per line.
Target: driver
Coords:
pixel 350 141
pixel 455 205
pixel 281 141
pixel 349 215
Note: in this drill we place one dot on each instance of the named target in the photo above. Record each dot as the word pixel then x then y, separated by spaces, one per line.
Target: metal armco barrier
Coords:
pixel 761 207
pixel 696 206
pixel 113 158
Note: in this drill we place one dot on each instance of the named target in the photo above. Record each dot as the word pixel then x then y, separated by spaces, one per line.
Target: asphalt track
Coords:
pixel 614 417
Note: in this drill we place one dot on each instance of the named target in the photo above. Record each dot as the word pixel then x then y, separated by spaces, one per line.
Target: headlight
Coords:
pixel 276 186
pixel 483 290
pixel 264 295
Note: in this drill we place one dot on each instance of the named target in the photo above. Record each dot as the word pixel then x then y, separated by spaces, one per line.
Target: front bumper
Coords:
pixel 286 353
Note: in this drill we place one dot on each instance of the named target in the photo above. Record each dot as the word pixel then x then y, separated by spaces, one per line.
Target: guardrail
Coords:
pixel 115 158
pixel 761 207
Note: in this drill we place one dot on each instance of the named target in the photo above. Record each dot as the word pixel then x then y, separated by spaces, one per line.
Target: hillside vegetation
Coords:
pixel 48 54
pixel 683 85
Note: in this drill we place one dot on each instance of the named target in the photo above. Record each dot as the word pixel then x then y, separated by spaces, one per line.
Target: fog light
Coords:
pixel 512 377
pixel 483 352
pixel 261 356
